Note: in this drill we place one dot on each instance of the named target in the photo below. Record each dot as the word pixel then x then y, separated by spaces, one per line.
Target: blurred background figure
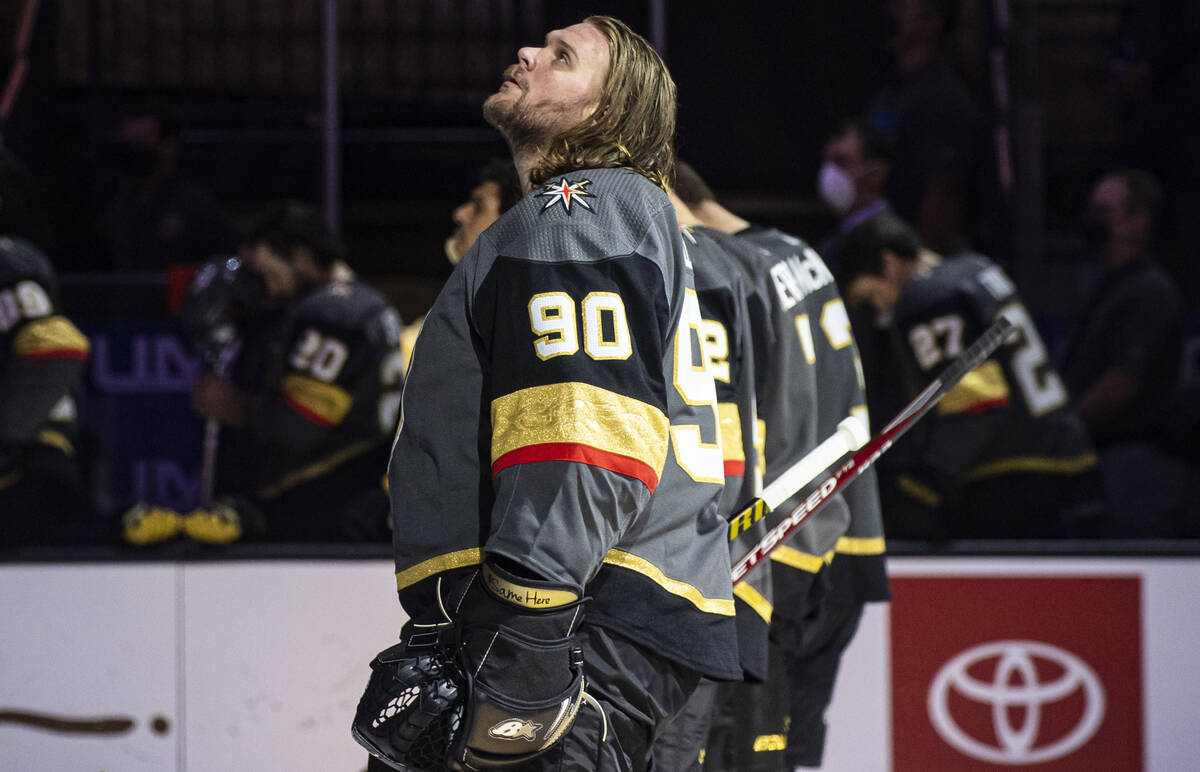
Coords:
pixel 1122 359
pixel 495 194
pixel 158 217
pixel 497 191
pixel 934 123
pixel 856 163
pixel 42 355
pixel 1004 455
pixel 1155 73
pixel 313 394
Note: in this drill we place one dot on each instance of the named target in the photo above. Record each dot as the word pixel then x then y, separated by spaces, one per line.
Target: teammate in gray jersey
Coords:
pixel 810 379
pixel 554 481
pixel 725 293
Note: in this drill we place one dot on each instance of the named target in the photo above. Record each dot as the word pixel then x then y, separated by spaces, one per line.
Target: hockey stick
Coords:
pixel 851 436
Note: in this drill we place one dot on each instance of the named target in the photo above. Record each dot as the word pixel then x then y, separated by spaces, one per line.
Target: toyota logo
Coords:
pixel 1014 684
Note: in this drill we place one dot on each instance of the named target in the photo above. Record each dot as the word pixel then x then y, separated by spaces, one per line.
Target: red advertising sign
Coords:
pixel 996 673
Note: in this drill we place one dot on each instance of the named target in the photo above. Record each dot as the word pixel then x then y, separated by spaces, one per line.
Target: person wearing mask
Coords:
pixel 855 163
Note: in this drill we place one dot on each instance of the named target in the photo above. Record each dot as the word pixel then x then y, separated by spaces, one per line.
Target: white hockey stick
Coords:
pixel 851 436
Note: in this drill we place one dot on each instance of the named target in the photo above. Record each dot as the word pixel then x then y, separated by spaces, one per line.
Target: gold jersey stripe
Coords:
pixel 980 388
pixel 851 545
pixel 51 337
pixel 731 431
pixel 582 414
pixel 437 565
pixel 789 556
pixel 1035 464
pixel 754 599
pixel 56 440
pixel 321 402
pixel 674 586
pixel 918 490
pixel 315 469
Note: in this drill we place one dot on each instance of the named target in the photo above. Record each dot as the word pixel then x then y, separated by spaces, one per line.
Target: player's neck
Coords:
pixel 683 214
pixel 525 159
pixel 718 217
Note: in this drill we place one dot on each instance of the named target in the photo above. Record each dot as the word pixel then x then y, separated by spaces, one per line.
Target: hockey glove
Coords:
pixel 524 675
pixel 412 707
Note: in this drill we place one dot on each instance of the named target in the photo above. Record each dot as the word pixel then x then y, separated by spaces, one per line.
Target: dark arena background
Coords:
pixel 189 655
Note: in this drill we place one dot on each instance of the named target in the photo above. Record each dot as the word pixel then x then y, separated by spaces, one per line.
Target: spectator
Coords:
pixel 1122 359
pixel 1156 71
pixel 1005 456
pixel 314 390
pixel 157 216
pixel 932 119
pixel 856 164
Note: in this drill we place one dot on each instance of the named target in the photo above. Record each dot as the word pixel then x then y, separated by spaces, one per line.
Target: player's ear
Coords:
pixel 892 265
pixel 305 264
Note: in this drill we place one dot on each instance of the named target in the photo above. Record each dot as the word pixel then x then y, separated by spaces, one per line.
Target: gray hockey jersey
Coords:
pixel 558 412
pixel 724 291
pixel 812 379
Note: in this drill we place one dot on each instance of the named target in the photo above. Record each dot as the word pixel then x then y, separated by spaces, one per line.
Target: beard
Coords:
pixel 527 126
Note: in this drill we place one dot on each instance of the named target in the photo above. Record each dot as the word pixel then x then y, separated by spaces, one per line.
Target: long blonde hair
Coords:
pixel 633 126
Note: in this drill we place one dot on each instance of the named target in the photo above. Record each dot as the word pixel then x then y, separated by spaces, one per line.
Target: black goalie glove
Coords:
pixel 496 687
pixel 223 287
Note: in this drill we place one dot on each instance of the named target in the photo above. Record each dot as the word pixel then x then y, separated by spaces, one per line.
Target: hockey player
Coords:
pixel 314 391
pixel 1004 455
pixel 554 482
pixel 42 355
pixel 496 192
pixel 809 380
pixel 724 293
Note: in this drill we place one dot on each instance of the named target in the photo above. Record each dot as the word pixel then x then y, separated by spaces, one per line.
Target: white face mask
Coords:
pixel 451 254
pixel 836 188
